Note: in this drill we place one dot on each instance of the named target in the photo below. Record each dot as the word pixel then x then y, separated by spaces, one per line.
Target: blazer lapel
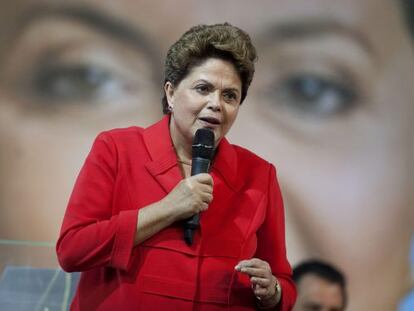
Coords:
pixel 163 165
pixel 226 165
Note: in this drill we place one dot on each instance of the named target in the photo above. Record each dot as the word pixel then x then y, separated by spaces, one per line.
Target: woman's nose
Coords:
pixel 214 102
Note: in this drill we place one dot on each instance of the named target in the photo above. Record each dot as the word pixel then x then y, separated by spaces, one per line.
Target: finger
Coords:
pixel 243 263
pixel 204 178
pixel 207 198
pixel 253 262
pixel 206 189
pixel 262 282
pixel 261 292
pixel 257 272
pixel 200 207
pixel 190 183
pixel 204 207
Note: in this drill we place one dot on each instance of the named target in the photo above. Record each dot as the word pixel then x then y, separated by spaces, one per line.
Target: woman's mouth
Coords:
pixel 210 121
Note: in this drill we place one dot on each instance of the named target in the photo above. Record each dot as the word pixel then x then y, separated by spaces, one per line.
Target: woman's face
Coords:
pixel 331 106
pixel 208 97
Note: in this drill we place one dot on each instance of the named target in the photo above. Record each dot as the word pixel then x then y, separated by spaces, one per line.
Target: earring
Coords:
pixel 170 108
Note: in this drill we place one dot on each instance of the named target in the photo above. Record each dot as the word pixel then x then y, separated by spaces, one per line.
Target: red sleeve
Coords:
pixel 271 245
pixel 92 235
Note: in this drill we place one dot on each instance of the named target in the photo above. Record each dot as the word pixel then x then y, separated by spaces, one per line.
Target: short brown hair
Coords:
pixel 222 41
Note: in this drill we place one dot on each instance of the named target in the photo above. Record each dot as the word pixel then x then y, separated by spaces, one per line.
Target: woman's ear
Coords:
pixel 169 93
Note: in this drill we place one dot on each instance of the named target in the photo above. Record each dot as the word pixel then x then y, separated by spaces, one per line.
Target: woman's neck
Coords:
pixel 184 162
pixel 183 154
pixel 181 145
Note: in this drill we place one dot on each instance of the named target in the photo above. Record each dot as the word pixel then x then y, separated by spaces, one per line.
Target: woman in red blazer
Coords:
pixel 123 224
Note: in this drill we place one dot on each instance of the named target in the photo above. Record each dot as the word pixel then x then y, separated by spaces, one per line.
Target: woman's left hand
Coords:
pixel 262 280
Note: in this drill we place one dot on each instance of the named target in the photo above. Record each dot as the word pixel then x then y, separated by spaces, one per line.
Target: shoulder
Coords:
pixel 133 134
pixel 253 167
pixel 118 141
pixel 121 134
pixel 118 137
pixel 252 159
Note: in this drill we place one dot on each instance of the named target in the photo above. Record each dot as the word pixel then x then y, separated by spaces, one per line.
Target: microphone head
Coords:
pixel 203 144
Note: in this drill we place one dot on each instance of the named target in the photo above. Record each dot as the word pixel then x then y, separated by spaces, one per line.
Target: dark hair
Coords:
pixel 201 42
pixel 322 270
pixel 408 11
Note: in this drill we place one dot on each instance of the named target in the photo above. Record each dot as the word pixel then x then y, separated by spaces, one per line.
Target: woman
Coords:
pixel 123 224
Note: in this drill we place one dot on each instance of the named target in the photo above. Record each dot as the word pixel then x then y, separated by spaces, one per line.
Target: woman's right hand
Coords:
pixel 191 196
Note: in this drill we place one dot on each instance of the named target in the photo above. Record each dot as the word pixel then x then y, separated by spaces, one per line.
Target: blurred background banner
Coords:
pixel 331 105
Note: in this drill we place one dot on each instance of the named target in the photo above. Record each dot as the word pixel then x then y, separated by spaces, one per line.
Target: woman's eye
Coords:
pixel 202 89
pixel 72 82
pixel 315 95
pixel 230 97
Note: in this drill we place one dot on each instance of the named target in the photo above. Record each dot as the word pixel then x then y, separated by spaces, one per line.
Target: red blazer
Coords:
pixel 131 168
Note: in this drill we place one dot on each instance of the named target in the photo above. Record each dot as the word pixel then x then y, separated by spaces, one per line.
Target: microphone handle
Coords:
pixel 199 165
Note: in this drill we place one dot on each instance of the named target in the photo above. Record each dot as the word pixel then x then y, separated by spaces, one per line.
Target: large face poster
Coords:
pixel 331 105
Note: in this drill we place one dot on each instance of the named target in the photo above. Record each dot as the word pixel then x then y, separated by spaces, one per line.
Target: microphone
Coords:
pixel 202 154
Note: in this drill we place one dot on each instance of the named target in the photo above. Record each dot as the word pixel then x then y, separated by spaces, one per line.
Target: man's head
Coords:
pixel 321 287
pixel 408 10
